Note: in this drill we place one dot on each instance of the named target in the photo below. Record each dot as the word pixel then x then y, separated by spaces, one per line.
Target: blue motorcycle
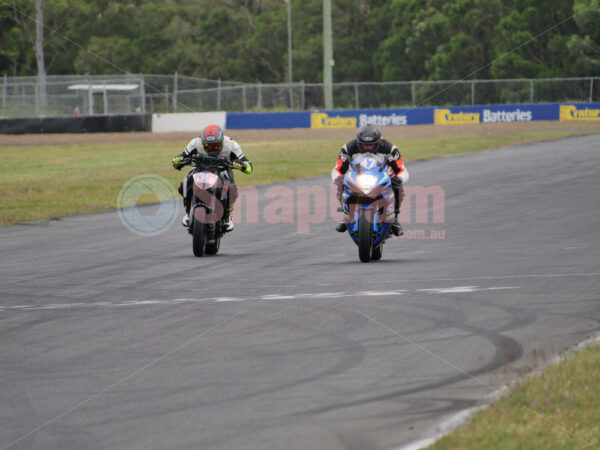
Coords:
pixel 368 204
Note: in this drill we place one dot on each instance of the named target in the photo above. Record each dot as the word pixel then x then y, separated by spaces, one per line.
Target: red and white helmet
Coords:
pixel 212 139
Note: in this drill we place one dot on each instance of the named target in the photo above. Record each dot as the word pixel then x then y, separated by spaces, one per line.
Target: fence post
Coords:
pixel 4 97
pixel 175 89
pixel 166 98
pixel 244 98
pixel 291 95
pixel 259 95
pixel 303 95
pixel 472 93
pixel 530 91
pixel 105 99
pixel 143 94
pixel 219 94
pixel 37 100
pixel 356 97
pixel 413 93
pixel 90 96
pixel 591 89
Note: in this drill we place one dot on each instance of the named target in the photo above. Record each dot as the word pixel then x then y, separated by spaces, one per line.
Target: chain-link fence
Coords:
pixel 128 94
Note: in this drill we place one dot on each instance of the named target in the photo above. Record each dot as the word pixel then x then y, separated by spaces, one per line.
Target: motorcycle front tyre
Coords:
pixel 213 247
pixel 198 232
pixel 365 241
pixel 377 253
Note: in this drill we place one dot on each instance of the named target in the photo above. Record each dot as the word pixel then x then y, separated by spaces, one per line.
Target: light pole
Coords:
pixel 289 28
pixel 327 56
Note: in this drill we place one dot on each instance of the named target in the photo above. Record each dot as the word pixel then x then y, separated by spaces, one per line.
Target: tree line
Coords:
pixel 246 40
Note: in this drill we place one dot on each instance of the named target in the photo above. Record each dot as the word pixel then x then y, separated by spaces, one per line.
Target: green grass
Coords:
pixel 560 409
pixel 52 181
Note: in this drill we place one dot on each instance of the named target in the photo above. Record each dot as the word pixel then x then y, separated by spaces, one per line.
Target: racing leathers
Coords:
pixel 398 173
pixel 231 152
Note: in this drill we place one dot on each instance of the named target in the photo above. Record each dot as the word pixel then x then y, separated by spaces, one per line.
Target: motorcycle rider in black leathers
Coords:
pixel 368 139
pixel 212 143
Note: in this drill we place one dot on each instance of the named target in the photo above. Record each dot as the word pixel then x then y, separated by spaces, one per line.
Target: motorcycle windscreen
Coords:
pixel 205 180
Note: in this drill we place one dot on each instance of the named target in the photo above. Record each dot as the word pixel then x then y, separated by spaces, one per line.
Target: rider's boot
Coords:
pixel 185 221
pixel 227 222
pixel 341 227
pixel 396 227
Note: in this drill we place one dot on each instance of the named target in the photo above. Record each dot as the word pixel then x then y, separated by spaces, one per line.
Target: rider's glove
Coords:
pixel 244 166
pixel 177 162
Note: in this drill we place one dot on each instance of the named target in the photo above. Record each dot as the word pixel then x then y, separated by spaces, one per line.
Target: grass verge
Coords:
pixel 559 409
pixel 44 182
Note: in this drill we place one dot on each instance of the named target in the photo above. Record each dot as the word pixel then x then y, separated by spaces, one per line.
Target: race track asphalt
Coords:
pixel 284 340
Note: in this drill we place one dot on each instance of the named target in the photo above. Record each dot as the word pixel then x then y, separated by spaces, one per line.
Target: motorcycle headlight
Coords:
pixel 366 182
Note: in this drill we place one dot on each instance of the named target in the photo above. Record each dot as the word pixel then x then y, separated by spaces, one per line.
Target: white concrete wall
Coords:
pixel 190 122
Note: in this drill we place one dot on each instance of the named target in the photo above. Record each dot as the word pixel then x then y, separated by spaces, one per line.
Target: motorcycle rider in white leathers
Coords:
pixel 212 143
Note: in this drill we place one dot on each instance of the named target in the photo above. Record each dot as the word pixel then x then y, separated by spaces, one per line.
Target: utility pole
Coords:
pixel 327 56
pixel 39 54
pixel 289 27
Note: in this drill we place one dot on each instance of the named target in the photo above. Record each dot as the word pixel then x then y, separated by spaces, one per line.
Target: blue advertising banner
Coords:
pixel 451 115
pixel 250 121
pixel 459 115
pixel 353 118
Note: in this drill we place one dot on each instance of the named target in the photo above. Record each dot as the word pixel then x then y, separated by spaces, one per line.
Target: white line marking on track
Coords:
pixel 495 277
pixel 464 289
pixel 306 296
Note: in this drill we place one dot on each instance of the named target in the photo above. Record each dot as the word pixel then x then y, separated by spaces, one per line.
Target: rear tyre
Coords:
pixel 365 244
pixel 377 253
pixel 198 232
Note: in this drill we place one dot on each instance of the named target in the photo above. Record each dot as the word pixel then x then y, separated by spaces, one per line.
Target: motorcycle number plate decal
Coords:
pixel 368 163
pixel 205 178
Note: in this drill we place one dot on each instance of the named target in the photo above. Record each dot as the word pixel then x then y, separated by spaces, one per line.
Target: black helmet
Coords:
pixel 368 137
pixel 212 139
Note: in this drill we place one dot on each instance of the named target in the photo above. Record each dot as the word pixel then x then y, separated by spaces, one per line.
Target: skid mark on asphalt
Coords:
pixel 266 297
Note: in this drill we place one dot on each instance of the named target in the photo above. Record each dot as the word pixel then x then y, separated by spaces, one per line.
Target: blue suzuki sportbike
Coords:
pixel 368 204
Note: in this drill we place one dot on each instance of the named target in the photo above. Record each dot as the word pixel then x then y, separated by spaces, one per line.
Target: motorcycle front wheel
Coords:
pixel 377 253
pixel 198 232
pixel 213 247
pixel 365 241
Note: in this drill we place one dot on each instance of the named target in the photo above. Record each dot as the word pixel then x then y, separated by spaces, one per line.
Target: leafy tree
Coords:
pixel 412 39
pixel 467 32
pixel 246 40
pixel 584 48
pixel 527 43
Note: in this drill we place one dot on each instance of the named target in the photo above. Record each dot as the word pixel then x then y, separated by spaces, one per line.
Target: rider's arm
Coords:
pixel 237 155
pixel 397 165
pixel 192 147
pixel 190 150
pixel 343 161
